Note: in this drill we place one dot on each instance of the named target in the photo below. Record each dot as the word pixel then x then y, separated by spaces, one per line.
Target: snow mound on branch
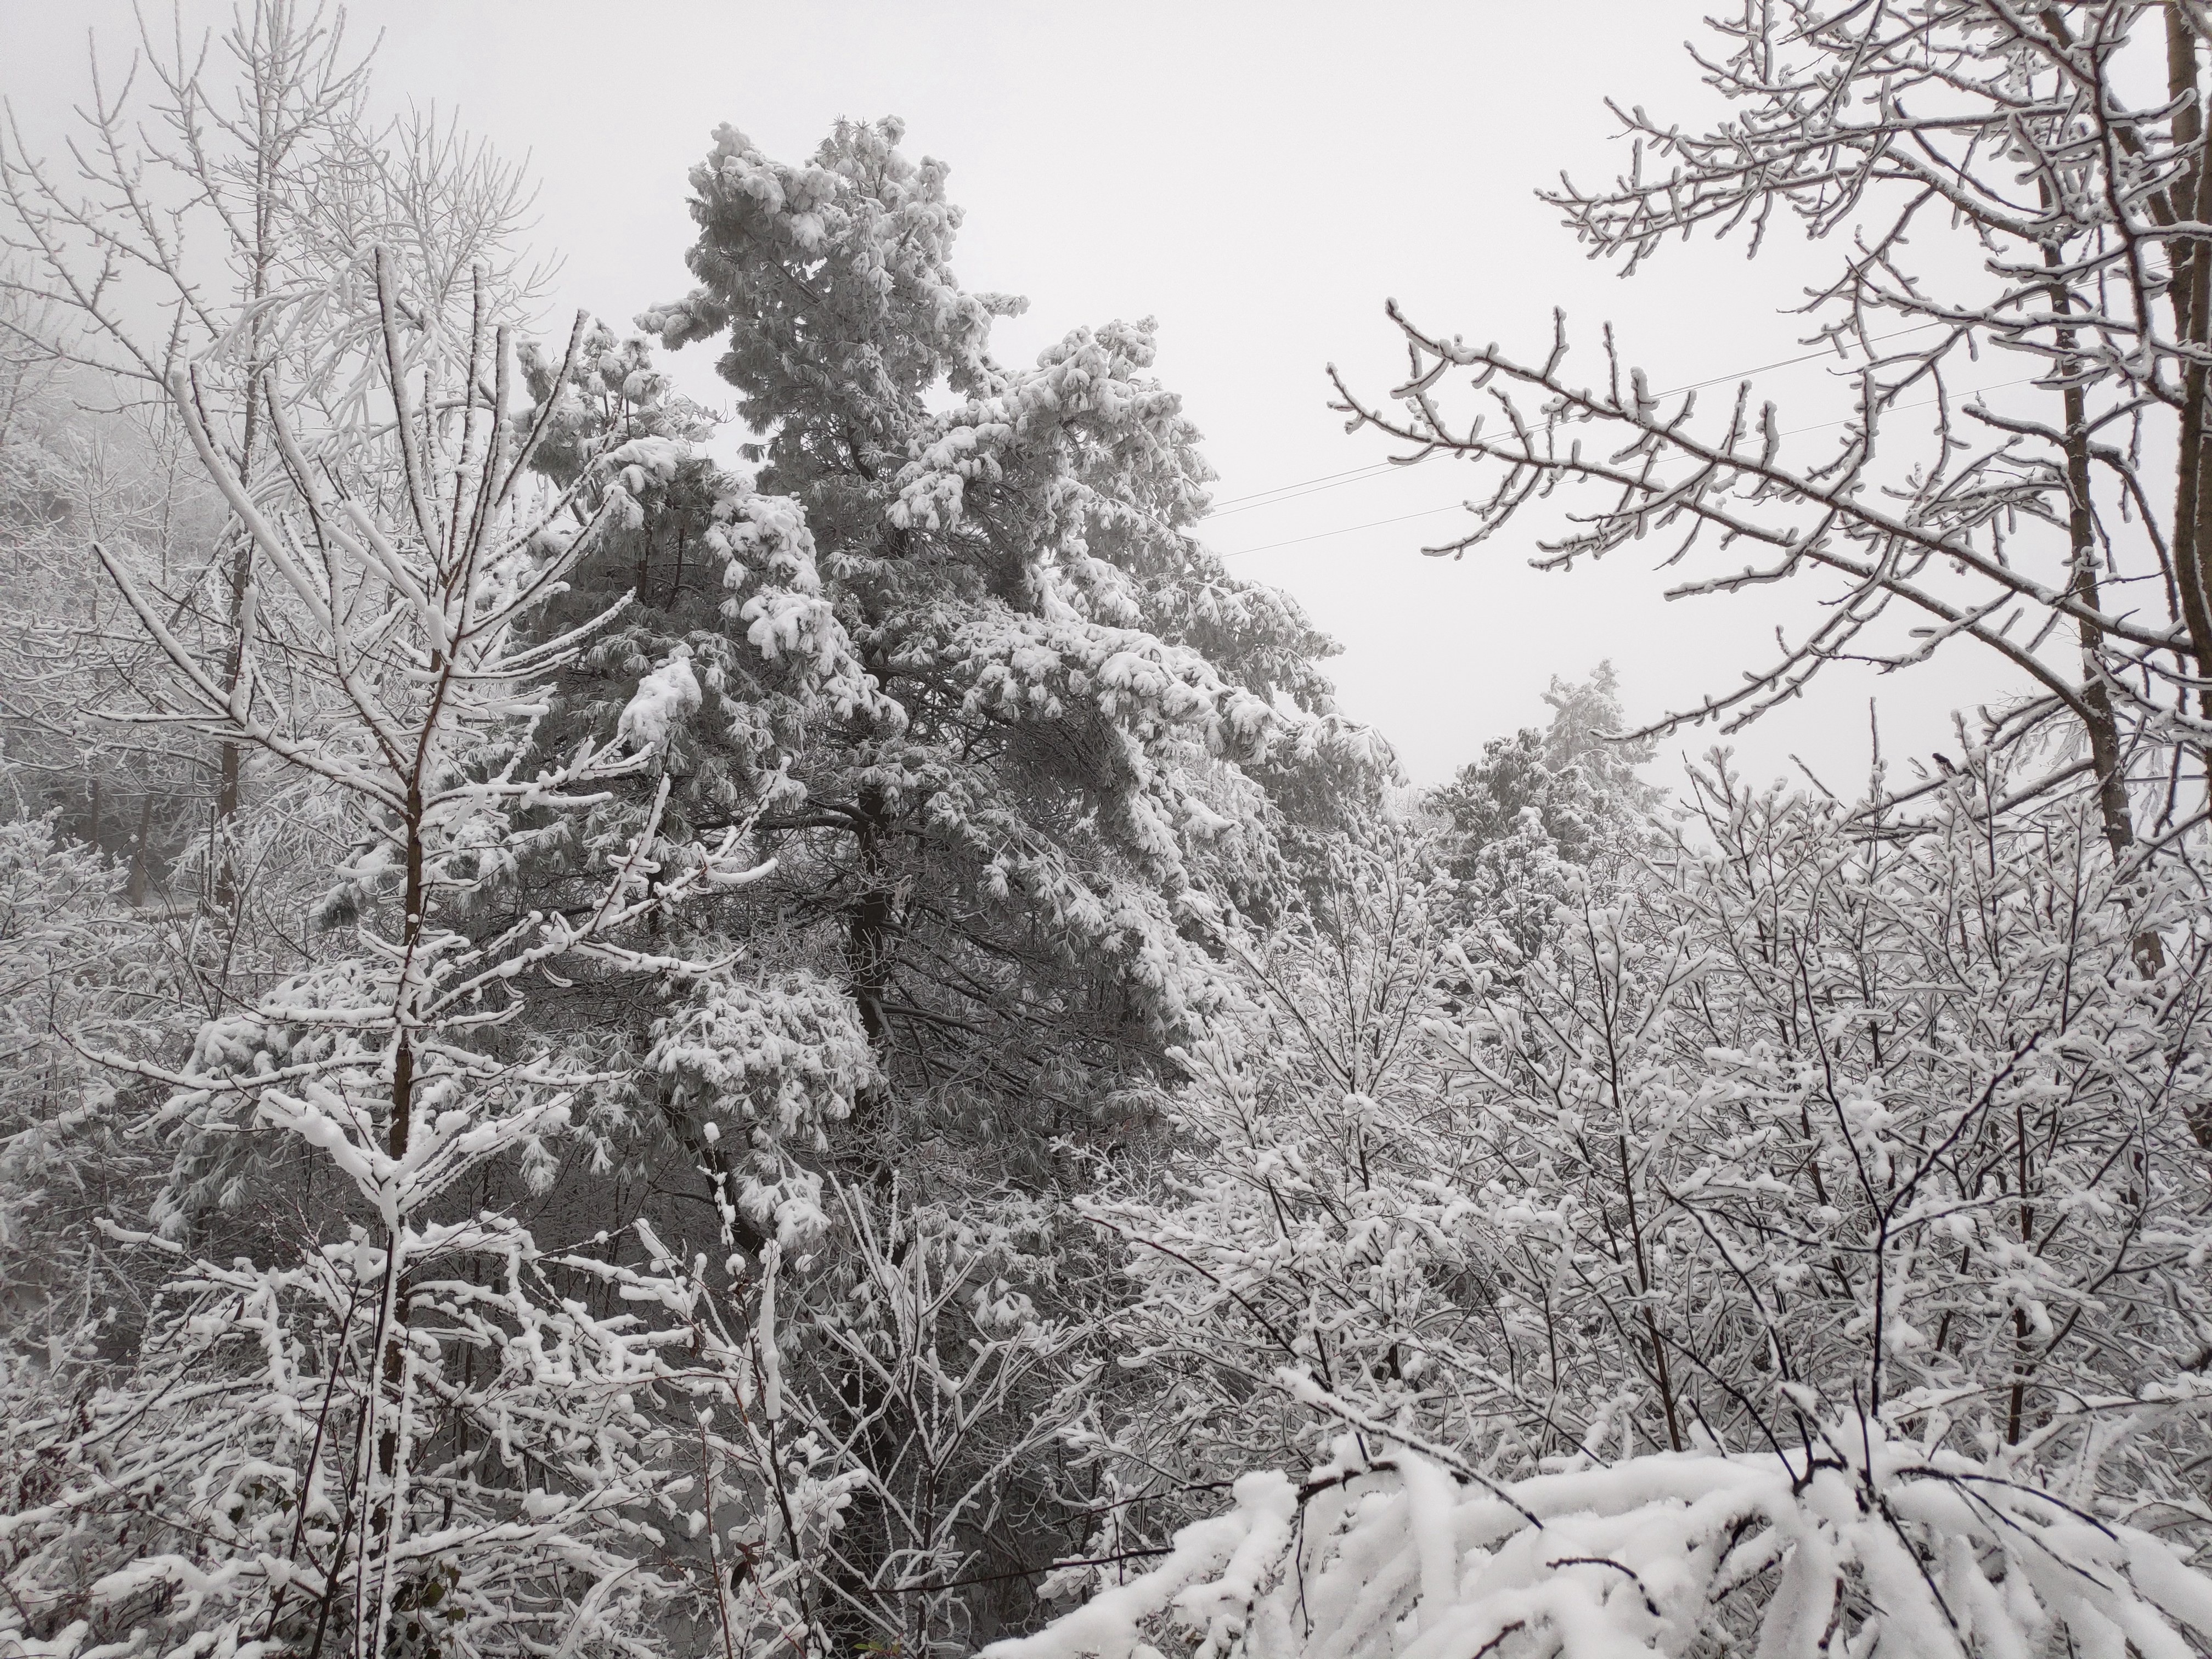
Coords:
pixel 662 699
pixel 761 1069
pixel 649 459
pixel 778 1059
pixel 1862 1546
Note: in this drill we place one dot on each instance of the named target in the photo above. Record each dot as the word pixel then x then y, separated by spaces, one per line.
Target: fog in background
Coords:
pixel 1259 177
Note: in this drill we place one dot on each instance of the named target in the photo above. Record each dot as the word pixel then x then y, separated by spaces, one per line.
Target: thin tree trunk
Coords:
pixel 869 921
pixel 136 890
pixel 2191 292
pixel 2106 752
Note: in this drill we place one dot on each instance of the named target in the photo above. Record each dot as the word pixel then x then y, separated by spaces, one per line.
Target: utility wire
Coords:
pixel 1314 487
pixel 1323 535
pixel 1232 505
pixel 1786 363
pixel 1232 501
pixel 1457 507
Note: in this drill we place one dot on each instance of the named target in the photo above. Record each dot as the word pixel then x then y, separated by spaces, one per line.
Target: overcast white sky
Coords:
pixel 1260 177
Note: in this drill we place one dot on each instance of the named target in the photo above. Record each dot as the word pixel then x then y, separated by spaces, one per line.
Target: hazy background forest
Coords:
pixel 719 972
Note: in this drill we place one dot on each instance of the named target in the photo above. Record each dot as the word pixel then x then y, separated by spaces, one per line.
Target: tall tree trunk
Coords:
pixel 140 850
pixel 222 878
pixel 2192 293
pixel 870 919
pixel 2104 728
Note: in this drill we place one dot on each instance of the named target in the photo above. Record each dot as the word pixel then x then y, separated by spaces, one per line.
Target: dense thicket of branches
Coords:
pixel 613 1053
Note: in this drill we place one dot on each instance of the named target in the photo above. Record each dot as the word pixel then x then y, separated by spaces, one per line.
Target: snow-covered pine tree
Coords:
pixel 1573 773
pixel 1020 747
pixel 1565 794
pixel 1060 743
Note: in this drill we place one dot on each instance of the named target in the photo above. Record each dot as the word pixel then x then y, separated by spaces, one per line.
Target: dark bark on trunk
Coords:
pixel 871 921
pixel 140 851
pixel 2192 308
pixel 2106 752
pixel 393 1366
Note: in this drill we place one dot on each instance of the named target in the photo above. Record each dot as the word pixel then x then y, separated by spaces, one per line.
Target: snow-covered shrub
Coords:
pixel 79 972
pixel 934 1356
pixel 1801 1124
pixel 1850 1542
pixel 872 1433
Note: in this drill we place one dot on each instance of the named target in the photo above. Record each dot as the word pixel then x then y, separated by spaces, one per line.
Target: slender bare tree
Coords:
pixel 206 200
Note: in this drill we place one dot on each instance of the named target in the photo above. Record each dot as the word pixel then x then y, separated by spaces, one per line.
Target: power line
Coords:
pixel 1314 487
pixel 1256 494
pixel 1323 535
pixel 1455 506
pixel 1786 363
pixel 1233 505
pixel 1925 403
